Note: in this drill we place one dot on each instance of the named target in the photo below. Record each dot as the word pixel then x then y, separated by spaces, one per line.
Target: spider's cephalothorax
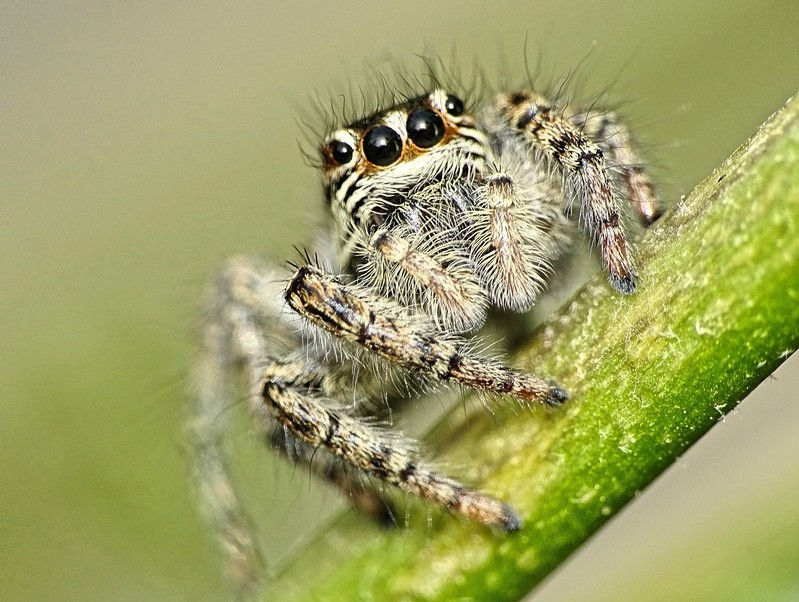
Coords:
pixel 438 213
pixel 452 212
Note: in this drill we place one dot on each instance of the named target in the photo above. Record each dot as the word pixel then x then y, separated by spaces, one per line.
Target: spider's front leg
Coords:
pixel 349 481
pixel 586 170
pixel 386 328
pixel 297 400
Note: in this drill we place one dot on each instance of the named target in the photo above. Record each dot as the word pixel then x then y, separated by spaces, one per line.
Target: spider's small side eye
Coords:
pixel 425 128
pixel 454 106
pixel 382 146
pixel 341 152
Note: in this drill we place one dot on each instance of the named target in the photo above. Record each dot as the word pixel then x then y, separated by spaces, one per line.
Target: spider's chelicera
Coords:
pixel 437 213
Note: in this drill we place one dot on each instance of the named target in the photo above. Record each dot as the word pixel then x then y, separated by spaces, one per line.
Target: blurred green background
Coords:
pixel 144 142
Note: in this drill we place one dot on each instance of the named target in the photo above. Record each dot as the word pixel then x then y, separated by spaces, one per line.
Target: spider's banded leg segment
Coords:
pixel 385 328
pixel 286 394
pixel 616 138
pixel 218 500
pixel 243 327
pixel 350 482
pixel 453 289
pixel 583 163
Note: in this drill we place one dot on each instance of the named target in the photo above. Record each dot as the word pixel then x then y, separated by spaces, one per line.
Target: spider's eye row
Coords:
pixel 382 146
pixel 425 128
pixel 454 106
pixel 341 152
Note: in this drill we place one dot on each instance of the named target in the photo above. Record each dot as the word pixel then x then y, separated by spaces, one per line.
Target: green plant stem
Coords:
pixel 716 312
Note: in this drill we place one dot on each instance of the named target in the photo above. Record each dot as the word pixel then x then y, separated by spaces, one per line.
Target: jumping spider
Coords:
pixel 437 213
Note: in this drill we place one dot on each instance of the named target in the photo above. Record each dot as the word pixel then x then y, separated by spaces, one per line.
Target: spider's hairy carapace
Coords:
pixel 439 210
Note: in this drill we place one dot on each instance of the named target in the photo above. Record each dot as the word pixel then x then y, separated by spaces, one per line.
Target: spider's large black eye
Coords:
pixel 341 152
pixel 382 146
pixel 425 128
pixel 454 106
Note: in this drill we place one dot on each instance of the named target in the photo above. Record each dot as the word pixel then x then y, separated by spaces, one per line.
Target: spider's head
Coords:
pixel 391 152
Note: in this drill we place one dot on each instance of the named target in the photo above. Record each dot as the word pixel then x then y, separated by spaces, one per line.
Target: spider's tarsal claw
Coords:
pixel 623 284
pixel 650 218
pixel 511 522
pixel 557 396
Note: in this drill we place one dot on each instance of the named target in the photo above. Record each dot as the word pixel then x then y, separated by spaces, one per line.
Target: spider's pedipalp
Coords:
pixel 515 228
pixel 438 274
